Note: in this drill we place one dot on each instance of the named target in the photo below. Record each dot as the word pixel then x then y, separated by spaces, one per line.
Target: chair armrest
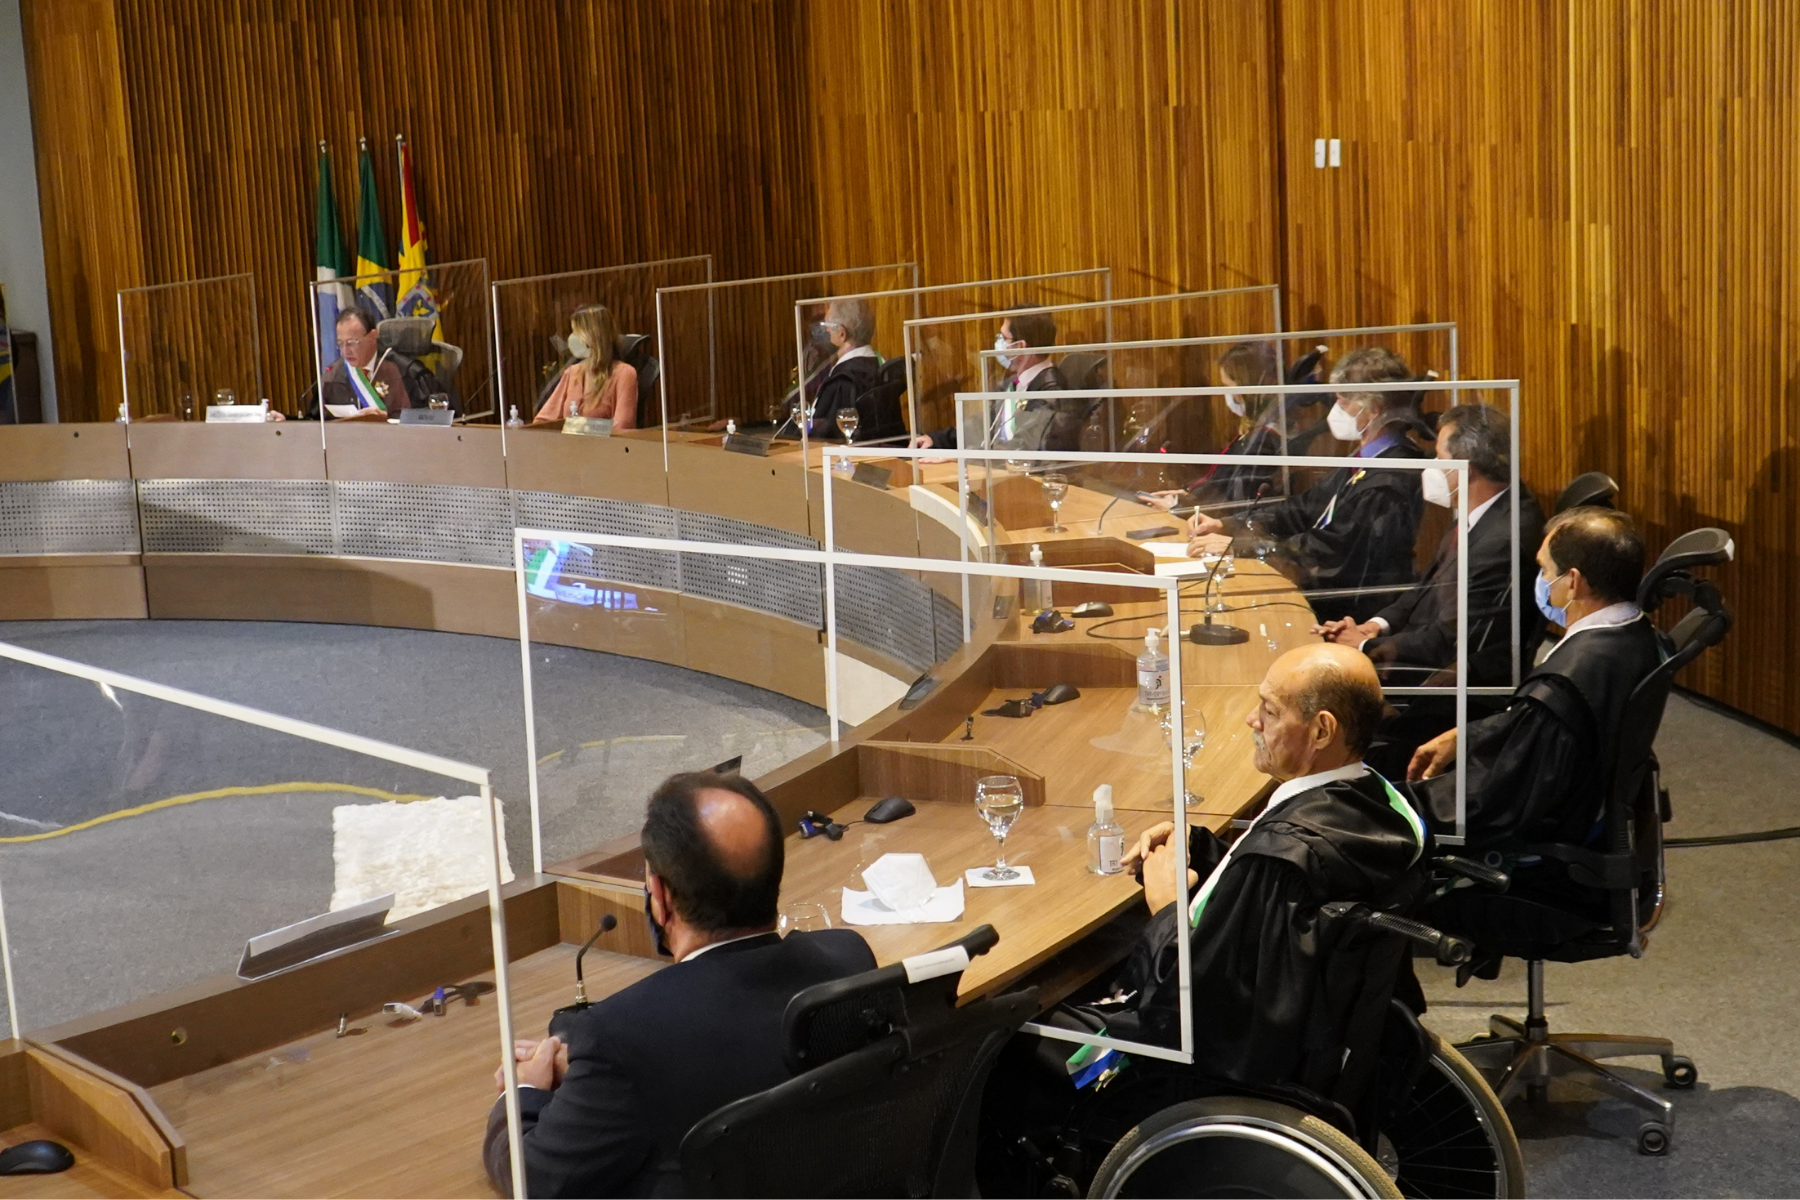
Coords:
pixel 1613 872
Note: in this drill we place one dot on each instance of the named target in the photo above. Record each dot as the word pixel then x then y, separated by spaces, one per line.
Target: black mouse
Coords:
pixel 1061 693
pixel 35 1158
pixel 890 809
pixel 1093 608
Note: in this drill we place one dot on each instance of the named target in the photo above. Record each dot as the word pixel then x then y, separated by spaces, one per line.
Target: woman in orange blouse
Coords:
pixel 596 384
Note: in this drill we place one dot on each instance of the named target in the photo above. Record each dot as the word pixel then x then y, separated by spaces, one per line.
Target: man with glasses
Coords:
pixel 1043 423
pixel 363 377
pixel 850 325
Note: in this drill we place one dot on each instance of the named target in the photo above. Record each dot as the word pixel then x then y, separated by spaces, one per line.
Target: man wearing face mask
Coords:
pixel 1042 423
pixel 1415 636
pixel 1535 770
pixel 1355 528
pixel 604 1114
pixel 850 326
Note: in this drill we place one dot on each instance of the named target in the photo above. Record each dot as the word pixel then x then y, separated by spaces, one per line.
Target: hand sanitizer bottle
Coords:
pixel 1106 837
pixel 1153 674
pixel 513 421
pixel 1034 594
pixel 730 428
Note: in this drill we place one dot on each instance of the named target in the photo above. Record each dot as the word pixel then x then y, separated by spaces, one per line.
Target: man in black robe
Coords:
pixel 1356 527
pixel 1280 997
pixel 1537 770
pixel 857 368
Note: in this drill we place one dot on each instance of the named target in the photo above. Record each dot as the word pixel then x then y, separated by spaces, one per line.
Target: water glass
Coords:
pixel 802 918
pixel 999 799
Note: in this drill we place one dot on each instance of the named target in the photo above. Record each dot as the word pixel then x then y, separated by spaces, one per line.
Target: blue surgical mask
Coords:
pixel 1551 612
pixel 1000 343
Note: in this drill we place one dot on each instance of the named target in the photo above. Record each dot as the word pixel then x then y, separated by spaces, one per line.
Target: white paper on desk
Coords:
pixel 1176 549
pixel 862 908
pixel 1184 566
pixel 974 876
pixel 342 410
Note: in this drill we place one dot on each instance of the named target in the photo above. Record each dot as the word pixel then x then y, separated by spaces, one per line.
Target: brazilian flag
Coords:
pixel 376 295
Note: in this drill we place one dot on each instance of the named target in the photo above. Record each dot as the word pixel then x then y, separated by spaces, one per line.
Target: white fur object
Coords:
pixel 427 852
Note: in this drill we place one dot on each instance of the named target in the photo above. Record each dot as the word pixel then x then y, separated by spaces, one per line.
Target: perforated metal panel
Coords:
pixel 887 611
pixel 787 589
pixel 235 516
pixel 646 568
pixel 69 516
pixel 425 522
pixel 947 626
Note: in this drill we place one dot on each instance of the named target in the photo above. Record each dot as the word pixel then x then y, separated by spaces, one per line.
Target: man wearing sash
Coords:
pixel 365 376
pixel 1278 989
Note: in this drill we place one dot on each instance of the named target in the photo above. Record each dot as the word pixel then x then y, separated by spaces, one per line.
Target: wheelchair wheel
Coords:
pixel 1451 1137
pixel 1238 1146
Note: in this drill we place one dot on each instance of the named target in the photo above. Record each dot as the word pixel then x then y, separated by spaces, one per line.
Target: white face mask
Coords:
pixel 1342 424
pixel 578 346
pixel 1235 403
pixel 1000 343
pixel 1436 482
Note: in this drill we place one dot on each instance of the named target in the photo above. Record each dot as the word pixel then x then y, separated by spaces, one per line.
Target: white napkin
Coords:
pixel 974 876
pixel 900 881
pixel 944 904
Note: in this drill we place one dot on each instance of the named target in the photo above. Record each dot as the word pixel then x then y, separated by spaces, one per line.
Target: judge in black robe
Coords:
pixel 1281 994
pixel 857 368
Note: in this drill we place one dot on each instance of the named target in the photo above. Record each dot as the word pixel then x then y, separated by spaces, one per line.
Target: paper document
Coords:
pixel 945 904
pixel 342 410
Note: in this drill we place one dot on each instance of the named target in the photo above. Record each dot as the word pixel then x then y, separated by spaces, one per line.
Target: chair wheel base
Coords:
pixel 1653 1138
pixel 1680 1072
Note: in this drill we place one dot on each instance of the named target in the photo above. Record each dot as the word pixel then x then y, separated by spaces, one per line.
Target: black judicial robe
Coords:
pixel 848 380
pixel 1537 769
pixel 1354 528
pixel 1280 994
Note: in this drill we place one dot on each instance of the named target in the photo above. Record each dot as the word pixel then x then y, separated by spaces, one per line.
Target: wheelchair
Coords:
pixel 1428 1124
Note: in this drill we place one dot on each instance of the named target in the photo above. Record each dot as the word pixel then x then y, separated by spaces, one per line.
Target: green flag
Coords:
pixel 377 295
pixel 330 262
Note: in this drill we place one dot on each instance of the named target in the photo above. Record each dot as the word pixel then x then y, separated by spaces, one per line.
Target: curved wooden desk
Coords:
pixel 412 527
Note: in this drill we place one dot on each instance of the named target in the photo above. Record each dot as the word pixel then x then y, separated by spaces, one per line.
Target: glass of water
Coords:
pixel 1056 486
pixel 999 799
pixel 1193 741
pixel 847 421
pixel 802 918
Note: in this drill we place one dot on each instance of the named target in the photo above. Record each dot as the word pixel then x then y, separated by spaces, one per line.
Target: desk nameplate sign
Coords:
pixel 428 416
pixel 315 937
pixel 235 414
pixel 876 477
pixel 589 426
pixel 744 443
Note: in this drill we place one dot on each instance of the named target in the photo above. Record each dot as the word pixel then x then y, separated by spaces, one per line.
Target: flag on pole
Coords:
pixel 331 263
pixel 377 295
pixel 417 299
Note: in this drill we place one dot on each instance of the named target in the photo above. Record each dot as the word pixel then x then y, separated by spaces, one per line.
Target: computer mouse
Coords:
pixel 1061 693
pixel 890 809
pixel 1093 608
pixel 35 1158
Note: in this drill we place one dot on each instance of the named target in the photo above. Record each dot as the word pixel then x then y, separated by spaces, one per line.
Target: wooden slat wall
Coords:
pixel 1599 192
pixel 177 140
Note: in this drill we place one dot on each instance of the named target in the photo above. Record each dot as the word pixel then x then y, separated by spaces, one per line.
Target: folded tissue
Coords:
pixel 902 891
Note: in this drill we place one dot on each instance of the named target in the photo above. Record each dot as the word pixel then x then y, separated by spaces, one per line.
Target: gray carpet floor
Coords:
pixel 158 900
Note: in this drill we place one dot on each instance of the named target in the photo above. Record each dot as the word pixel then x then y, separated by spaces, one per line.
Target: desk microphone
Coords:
pixel 559 1020
pixel 1205 633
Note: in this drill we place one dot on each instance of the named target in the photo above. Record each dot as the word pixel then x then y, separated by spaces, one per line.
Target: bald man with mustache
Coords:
pixel 1275 994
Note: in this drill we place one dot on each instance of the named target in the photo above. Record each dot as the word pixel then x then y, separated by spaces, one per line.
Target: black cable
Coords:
pixel 1737 839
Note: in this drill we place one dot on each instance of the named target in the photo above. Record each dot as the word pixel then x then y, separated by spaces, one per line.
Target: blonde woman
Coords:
pixel 596 384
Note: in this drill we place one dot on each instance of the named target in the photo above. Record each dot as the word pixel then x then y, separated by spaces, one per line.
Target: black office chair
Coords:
pixel 880 413
pixel 1625 864
pixel 889 1076
pixel 1082 370
pixel 1595 488
pixel 634 348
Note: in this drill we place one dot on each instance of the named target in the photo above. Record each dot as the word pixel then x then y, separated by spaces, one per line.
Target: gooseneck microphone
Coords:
pixel 561 1018
pixel 1205 633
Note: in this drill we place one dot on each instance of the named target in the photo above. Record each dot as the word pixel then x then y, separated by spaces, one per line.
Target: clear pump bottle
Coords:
pixel 1153 674
pixel 513 422
pixel 1034 594
pixel 1106 837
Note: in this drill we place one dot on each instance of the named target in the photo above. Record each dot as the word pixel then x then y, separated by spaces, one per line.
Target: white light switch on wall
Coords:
pixel 1319 153
pixel 1337 157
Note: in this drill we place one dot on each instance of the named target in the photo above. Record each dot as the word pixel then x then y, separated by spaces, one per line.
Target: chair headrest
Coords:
pixel 1596 487
pixel 894 369
pixel 1302 369
pixel 1081 368
pixel 1671 574
pixel 632 348
pixel 410 336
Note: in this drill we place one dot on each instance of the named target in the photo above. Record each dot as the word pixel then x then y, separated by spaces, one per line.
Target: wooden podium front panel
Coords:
pixel 626 467
pixel 36 453
pixel 765 491
pixel 364 451
pixel 341 591
pixel 71 587
pixel 196 450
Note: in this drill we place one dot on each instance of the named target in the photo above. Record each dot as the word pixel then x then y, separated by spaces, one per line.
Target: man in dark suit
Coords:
pixel 857 368
pixel 1044 422
pixel 1415 636
pixel 604 1115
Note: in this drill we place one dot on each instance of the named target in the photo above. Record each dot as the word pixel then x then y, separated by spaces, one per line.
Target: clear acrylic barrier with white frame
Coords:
pixel 1279 468
pixel 185 346
pixel 1191 361
pixel 945 352
pixel 726 344
pixel 465 323
pixel 531 319
pixel 152 832
pixel 829 564
pixel 893 308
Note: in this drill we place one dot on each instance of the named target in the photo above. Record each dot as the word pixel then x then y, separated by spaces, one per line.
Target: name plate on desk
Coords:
pixel 589 426
pixel 428 416
pixel 874 476
pixel 315 937
pixel 743 443
pixel 239 414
